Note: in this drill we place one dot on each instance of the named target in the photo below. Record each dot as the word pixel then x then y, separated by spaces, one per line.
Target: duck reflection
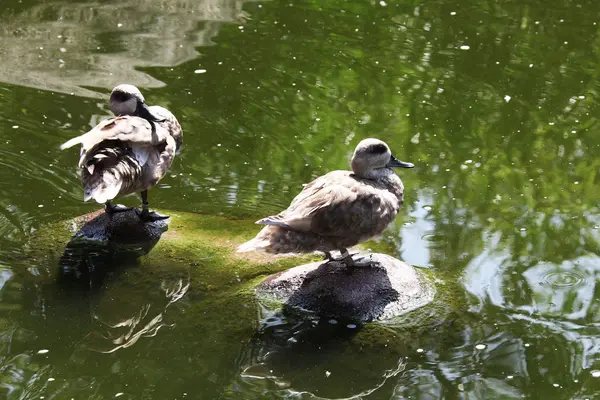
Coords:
pixel 124 331
pixel 105 244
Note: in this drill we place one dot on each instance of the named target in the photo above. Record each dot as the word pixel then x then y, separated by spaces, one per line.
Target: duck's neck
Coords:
pixel 388 178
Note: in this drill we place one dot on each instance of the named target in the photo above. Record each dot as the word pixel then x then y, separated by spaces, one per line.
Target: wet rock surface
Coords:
pixel 103 242
pixel 123 227
pixel 385 289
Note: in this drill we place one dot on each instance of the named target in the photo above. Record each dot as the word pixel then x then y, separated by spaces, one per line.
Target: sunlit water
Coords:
pixel 495 103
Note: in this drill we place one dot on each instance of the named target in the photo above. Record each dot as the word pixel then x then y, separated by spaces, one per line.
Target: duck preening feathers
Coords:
pixel 129 153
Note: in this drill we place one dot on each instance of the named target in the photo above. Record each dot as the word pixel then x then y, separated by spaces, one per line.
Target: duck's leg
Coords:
pixel 110 208
pixel 145 214
pixel 351 262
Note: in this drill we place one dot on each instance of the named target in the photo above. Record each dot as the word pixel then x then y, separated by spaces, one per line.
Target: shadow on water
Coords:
pixel 104 245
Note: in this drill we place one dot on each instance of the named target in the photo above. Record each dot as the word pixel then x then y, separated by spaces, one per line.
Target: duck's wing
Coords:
pixel 327 198
pixel 136 131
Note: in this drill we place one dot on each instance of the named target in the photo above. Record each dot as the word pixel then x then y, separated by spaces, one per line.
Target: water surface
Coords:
pixel 496 103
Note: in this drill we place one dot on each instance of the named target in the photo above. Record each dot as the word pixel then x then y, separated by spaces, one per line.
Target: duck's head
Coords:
pixel 372 155
pixel 128 100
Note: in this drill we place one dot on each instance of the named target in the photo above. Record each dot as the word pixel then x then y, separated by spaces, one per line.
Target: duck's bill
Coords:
pixel 395 163
pixel 146 113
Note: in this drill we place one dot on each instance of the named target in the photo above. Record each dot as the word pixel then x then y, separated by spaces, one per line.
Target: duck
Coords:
pixel 339 209
pixel 129 153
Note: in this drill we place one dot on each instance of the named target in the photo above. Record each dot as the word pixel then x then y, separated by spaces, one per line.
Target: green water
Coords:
pixel 496 103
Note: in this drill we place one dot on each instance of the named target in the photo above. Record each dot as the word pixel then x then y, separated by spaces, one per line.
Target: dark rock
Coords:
pixel 104 242
pixel 388 288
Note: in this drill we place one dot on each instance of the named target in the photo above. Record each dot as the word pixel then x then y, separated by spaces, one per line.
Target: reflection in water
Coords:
pixel 314 359
pixel 146 323
pixel 63 47
pixel 496 102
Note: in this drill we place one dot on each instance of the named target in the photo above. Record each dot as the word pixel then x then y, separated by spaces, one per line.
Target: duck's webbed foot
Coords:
pixel 110 208
pixel 150 216
pixel 145 214
pixel 359 261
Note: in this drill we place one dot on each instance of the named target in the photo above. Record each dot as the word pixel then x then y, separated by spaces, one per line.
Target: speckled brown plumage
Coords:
pixel 337 210
pixel 129 153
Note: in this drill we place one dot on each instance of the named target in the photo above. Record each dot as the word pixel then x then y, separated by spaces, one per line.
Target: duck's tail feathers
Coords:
pixel 71 142
pixel 253 245
pixel 102 188
pixel 274 220
pixel 108 172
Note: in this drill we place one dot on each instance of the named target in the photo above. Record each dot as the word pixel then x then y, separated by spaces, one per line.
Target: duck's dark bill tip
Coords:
pixel 395 163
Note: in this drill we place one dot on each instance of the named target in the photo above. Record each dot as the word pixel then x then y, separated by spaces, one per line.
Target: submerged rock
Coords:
pixel 386 289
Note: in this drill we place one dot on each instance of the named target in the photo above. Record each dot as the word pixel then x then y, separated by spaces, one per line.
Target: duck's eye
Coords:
pixel 379 148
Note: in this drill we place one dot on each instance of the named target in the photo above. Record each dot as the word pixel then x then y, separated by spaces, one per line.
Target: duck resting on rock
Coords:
pixel 129 153
pixel 338 210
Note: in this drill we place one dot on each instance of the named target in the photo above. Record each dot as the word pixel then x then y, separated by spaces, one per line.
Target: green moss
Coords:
pixel 200 249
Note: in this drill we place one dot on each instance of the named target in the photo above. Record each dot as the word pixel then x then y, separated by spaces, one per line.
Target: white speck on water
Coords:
pixel 382 3
pixel 212 189
pixel 465 47
pixel 119 394
pixel 480 346
pixel 596 373
pixel 415 139
pixel 469 162
pixel 51 379
pixel 331 321
pixel 43 351
pixel 509 377
pixel 530 65
pixel 507 98
pixel 555 384
pixel 453 13
pixel 523 229
pixel 581 97
pixel 427 27
pixel 218 144
pixel 420 350
pixel 15 126
pixel 317 119
pixel 63 50
pixel 327 373
pixel 40 205
pixel 551 123
pixel 119 25
pixel 526 345
pixel 199 71
pixel 241 27
pixel 427 208
pixel 351 326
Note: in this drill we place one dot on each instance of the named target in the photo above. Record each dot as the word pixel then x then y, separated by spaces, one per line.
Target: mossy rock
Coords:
pixel 202 293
